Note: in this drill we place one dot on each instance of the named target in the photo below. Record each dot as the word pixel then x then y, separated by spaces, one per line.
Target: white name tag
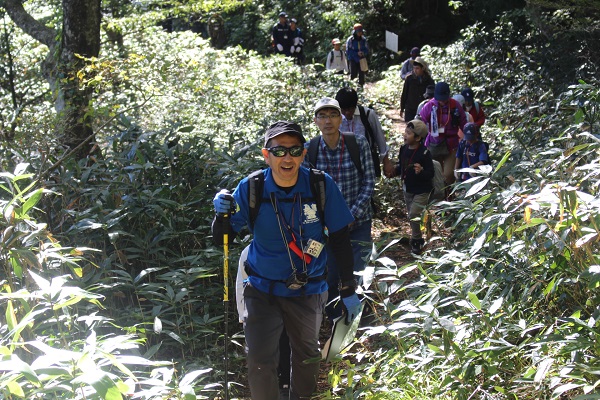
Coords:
pixel 313 248
pixel 441 129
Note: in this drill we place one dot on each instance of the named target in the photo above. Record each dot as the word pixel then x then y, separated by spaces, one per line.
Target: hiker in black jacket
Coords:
pixel 415 168
pixel 414 88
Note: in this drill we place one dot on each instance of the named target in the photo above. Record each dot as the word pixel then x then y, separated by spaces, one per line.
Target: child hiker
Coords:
pixel 415 168
pixel 471 153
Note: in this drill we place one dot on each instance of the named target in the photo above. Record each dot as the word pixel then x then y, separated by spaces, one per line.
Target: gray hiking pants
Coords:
pixel 267 315
pixel 415 203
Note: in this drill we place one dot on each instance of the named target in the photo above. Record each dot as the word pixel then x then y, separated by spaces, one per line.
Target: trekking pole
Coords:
pixel 226 297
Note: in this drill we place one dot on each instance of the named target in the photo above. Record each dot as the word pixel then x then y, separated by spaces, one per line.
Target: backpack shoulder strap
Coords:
pixel 331 54
pixel 370 135
pixel 317 186
pixel 353 149
pixel 256 183
pixel 313 149
pixel 364 118
pixel 402 166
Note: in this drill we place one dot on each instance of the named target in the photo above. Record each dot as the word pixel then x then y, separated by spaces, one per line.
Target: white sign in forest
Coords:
pixel 391 41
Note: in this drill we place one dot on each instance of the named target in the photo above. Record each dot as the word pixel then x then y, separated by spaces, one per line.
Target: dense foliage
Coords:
pixel 507 306
pixel 111 285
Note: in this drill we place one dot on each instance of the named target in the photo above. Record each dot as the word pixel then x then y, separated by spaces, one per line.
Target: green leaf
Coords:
pixel 33 199
pixel 542 369
pixel 435 349
pixel 575 149
pixel 9 314
pixel 475 300
pixel 16 266
pixel 190 377
pixel 592 276
pixel 447 324
pixel 176 337
pixel 67 302
pixel 157 325
pixel 550 286
pixel 106 388
pixel 186 129
pixel 16 365
pixel 15 389
pixel 565 388
pixel 496 305
pixel 502 162
pixel 579 116
pixel 532 222
pixel 499 389
pixel 476 188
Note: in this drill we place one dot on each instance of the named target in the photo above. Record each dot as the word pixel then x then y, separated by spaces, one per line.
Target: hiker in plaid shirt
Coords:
pixel 333 157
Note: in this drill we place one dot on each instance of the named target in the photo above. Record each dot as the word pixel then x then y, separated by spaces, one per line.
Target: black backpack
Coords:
pixel 351 144
pixel 256 183
pixel 364 117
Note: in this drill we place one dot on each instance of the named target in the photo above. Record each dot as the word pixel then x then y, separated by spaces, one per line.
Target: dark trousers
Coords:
pixel 267 316
pixel 360 236
pixel 356 71
pixel 285 354
pixel 409 115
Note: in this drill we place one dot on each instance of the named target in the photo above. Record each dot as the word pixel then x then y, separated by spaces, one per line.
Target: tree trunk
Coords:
pixel 80 36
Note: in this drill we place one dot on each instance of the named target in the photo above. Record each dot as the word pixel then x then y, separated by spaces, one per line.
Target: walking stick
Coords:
pixel 226 297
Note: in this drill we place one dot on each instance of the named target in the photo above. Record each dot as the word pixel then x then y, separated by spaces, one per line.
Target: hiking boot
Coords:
pixel 416 245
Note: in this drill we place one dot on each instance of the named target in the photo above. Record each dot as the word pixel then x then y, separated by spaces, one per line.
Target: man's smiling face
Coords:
pixel 285 169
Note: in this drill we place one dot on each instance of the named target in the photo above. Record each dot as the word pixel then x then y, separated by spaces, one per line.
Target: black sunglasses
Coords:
pixel 280 151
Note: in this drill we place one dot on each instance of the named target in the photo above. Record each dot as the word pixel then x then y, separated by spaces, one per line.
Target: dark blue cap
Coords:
pixel 281 127
pixel 471 131
pixel 467 93
pixel 442 91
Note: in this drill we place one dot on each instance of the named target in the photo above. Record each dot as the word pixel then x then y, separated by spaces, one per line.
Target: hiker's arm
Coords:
pixel 404 71
pixel 457 162
pixel 379 135
pixel 398 169
pixel 480 117
pixel 388 167
pixel 339 243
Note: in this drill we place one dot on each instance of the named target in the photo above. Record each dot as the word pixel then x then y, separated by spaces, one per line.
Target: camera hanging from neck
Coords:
pixel 295 280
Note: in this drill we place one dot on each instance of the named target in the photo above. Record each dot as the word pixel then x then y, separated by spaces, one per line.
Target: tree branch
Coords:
pixel 28 24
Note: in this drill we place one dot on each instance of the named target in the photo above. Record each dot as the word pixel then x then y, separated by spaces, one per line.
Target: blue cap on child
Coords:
pixel 471 131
